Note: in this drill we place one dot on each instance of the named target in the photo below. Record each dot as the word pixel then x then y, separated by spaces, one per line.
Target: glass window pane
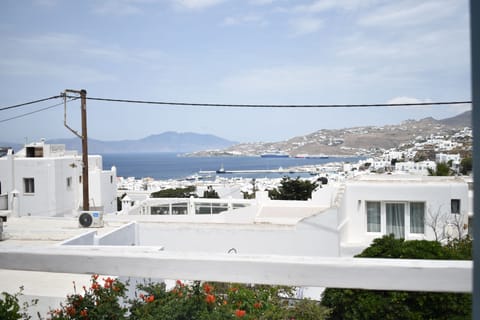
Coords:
pixel 455 205
pixel 395 213
pixel 160 209
pixel 373 217
pixel 417 217
pixel 28 185
pixel 179 208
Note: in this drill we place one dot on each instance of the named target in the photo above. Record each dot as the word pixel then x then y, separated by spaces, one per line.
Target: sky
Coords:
pixel 234 52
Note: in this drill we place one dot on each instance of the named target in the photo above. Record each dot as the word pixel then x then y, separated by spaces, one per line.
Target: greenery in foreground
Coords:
pixel 375 304
pixel 107 299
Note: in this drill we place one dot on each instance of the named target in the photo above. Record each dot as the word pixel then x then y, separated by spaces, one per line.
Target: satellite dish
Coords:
pixel 85 220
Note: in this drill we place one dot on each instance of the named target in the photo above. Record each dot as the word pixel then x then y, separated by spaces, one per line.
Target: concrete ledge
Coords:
pixel 151 262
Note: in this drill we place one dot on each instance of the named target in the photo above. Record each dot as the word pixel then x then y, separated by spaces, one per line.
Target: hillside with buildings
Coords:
pixel 367 140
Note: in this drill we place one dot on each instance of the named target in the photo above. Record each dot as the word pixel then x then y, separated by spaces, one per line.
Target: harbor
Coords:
pixel 258 171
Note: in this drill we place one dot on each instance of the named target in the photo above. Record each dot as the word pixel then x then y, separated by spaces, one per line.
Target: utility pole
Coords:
pixel 84 137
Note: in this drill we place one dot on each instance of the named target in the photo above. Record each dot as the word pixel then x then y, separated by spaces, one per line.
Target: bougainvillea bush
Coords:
pixel 106 299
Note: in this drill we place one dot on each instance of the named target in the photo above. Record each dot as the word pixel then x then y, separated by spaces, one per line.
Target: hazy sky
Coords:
pixel 229 51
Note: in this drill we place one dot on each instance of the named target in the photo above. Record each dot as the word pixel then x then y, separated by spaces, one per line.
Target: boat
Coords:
pixel 274 155
pixel 221 170
pixel 317 156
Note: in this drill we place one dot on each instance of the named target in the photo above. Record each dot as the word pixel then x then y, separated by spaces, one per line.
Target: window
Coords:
pixel 417 217
pixel 180 208
pixel 111 179
pixel 401 219
pixel 395 219
pixel 373 217
pixel 455 206
pixel 28 185
pixel 160 209
pixel 69 182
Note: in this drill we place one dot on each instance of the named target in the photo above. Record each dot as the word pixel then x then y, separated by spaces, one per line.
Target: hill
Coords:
pixel 461 120
pixel 358 140
pixel 164 142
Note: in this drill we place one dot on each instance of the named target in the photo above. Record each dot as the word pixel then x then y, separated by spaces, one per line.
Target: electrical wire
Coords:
pixel 229 105
pixel 419 104
pixel 30 102
pixel 36 111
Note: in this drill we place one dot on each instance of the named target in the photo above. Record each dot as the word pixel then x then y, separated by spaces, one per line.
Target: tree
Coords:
pixel 175 193
pixel 210 193
pixel 436 220
pixel 373 304
pixel 290 189
pixel 446 225
pixel 466 166
pixel 442 170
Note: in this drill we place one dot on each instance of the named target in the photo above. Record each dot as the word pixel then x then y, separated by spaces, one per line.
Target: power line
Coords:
pixel 30 102
pixel 230 105
pixel 418 104
pixel 36 111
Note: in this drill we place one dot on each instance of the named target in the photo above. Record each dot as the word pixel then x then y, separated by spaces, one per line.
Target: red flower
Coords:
pixel 179 283
pixel 71 311
pixel 95 286
pixel 95 277
pixel 233 289
pixel 150 299
pixel 257 305
pixel 84 313
pixel 207 288
pixel 108 282
pixel 240 313
pixel 210 298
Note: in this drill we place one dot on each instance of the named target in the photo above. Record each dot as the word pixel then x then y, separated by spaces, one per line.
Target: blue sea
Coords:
pixel 163 166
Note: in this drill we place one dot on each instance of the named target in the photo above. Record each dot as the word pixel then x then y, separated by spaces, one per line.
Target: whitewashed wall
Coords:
pixel 314 236
pixel 436 192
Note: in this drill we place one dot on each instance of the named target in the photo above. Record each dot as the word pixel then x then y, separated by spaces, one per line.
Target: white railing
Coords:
pixel 152 262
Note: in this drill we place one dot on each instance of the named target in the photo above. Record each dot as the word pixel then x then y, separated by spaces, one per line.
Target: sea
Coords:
pixel 165 166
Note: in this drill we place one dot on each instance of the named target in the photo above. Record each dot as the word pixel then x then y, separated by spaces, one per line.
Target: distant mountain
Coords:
pixel 345 141
pixel 461 120
pixel 163 142
pixel 365 140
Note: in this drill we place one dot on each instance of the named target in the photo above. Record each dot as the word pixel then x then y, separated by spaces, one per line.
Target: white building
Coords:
pixel 416 168
pixel 445 158
pixel 410 207
pixel 45 180
pixel 302 243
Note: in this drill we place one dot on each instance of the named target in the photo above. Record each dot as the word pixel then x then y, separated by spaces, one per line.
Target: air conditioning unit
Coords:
pixel 91 219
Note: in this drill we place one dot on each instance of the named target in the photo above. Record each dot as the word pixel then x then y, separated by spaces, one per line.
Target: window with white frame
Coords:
pixel 417 217
pixel 28 185
pixel 397 218
pixel 373 217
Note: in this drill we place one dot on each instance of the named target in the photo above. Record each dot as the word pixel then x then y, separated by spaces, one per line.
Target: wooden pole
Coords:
pixel 86 204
